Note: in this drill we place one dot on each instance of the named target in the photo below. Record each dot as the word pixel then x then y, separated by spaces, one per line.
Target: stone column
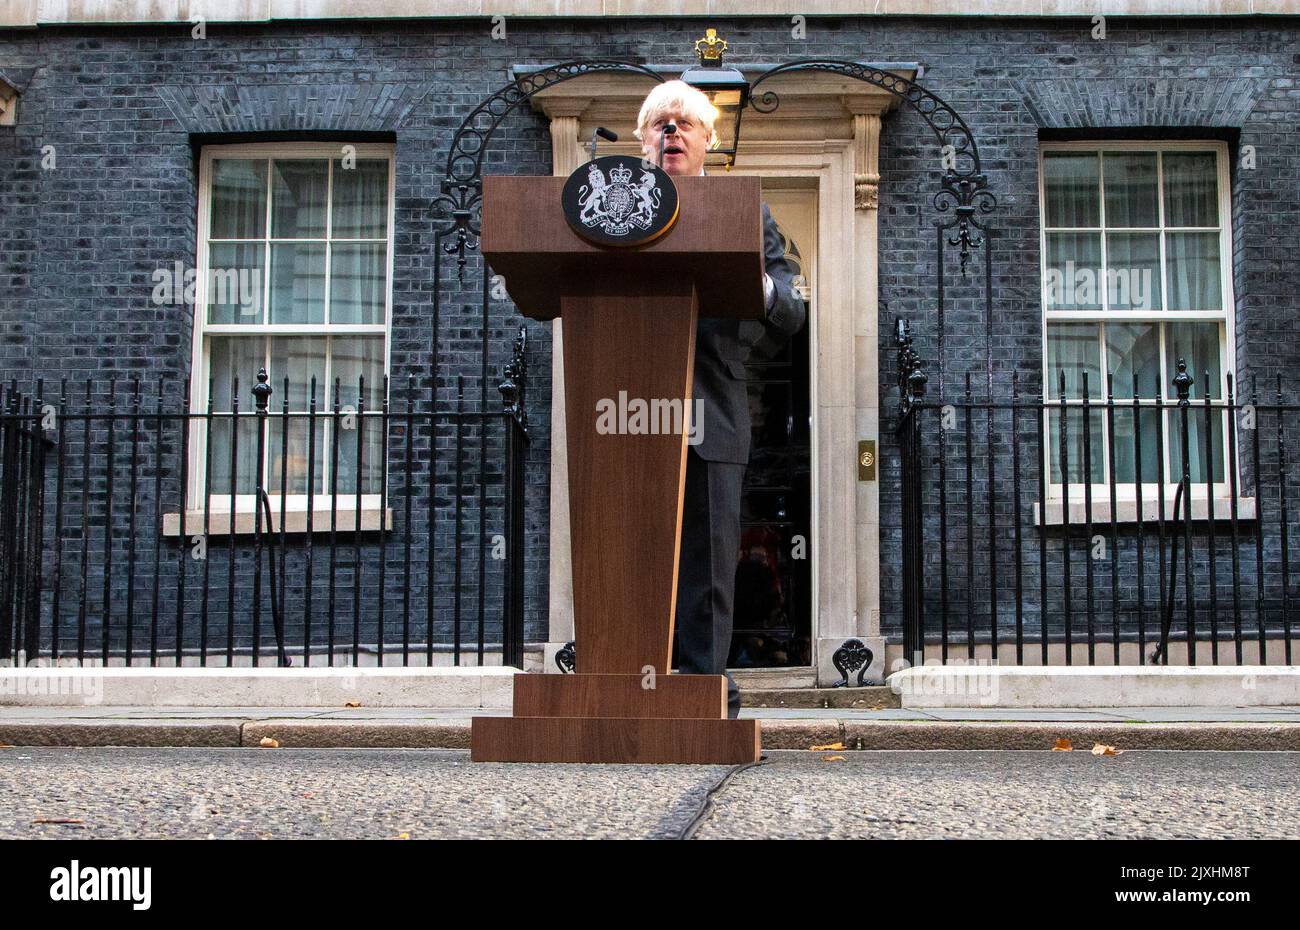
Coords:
pixel 566 156
pixel 866 345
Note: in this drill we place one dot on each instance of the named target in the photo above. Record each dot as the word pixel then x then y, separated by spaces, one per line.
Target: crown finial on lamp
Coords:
pixel 710 49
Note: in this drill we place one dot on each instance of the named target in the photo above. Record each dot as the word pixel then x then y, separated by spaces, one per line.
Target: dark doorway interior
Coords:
pixel 773 571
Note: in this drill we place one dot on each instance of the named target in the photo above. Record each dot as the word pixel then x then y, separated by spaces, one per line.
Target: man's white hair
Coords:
pixel 677 96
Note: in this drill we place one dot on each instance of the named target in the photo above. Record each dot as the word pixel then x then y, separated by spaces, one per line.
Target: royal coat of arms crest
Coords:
pixel 620 201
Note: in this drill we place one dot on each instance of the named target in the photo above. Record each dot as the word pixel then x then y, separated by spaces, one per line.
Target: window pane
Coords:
pixel 1133 358
pixel 299 193
pixel 1074 444
pixel 235 282
pixel 238 198
pixel 352 359
pixel 1198 345
pixel 357 282
pixel 369 429
pixel 294 436
pixel 1074 348
pixel 298 282
pixel 361 199
pixel 1126 451
pixel 1133 355
pixel 1073 271
pixel 299 359
pixel 1196 444
pixel 1191 189
pixel 245 454
pixel 1193 271
pixel 235 357
pixel 1133 271
pixel 355 357
pixel 1131 197
pixel 1071 185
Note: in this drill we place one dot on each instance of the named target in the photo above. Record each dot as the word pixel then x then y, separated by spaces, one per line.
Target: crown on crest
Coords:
pixel 621 174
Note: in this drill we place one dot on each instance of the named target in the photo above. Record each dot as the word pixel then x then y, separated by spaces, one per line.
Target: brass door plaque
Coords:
pixel 866 460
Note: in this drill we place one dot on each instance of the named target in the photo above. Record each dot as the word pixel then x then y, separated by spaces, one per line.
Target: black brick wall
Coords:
pixel 122 108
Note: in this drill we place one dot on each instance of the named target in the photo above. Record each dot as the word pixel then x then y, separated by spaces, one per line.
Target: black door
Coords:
pixel 773 602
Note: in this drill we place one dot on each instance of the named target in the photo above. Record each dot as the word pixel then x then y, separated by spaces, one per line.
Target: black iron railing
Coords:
pixel 1062 527
pixel 23 455
pixel 134 529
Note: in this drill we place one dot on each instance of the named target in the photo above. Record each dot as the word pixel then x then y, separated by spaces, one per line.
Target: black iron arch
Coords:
pixel 462 186
pixel 963 186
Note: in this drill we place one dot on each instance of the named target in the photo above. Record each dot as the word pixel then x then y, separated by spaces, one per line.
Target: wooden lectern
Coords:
pixel 629 326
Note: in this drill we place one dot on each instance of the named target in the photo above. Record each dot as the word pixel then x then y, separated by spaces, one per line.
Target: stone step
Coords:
pixel 871 697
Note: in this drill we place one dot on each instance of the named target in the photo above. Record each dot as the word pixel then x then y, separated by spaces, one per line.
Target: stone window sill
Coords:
pixel 1126 510
pixel 295 521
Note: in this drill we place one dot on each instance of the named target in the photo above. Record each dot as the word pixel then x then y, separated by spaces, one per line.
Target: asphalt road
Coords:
pixel 370 793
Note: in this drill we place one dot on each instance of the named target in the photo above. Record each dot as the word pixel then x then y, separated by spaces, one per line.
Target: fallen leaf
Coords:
pixel 308 794
pixel 352 704
pixel 268 743
pixel 1101 749
pixel 826 747
pixel 403 836
pixel 1063 745
pixel 832 758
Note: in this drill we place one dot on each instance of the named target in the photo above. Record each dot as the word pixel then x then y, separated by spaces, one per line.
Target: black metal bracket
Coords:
pixel 566 658
pixel 850 657
pixel 911 372
pixel 515 376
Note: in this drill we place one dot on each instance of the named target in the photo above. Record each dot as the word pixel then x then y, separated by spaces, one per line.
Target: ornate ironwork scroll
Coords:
pixel 964 186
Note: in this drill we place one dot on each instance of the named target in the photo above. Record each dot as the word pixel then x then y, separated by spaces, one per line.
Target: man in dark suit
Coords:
pixel 715 466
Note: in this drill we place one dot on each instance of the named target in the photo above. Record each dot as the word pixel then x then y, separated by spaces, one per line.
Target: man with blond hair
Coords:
pixel 715 467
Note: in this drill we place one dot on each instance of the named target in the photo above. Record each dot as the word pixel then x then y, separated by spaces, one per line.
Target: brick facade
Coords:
pixel 125 108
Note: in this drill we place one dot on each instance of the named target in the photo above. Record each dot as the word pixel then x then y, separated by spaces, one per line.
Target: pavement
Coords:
pixel 201 793
pixel 1262 729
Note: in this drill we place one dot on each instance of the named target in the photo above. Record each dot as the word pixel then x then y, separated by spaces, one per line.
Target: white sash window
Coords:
pixel 1136 242
pixel 295 272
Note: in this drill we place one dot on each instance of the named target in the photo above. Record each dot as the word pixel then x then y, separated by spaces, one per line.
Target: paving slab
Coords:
pixel 407 713
pixel 833 713
pixel 993 713
pixel 449 733
pixel 1083 734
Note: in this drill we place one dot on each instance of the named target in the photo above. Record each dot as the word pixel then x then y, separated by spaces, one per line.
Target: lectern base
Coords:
pixel 617 718
pixel 645 740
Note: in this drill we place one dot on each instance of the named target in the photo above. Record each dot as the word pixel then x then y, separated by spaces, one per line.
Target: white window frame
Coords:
pixel 220 502
pixel 1126 492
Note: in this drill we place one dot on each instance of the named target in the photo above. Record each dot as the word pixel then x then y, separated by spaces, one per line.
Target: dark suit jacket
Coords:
pixel 721 347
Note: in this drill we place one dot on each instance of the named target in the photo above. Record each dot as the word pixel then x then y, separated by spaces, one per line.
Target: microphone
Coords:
pixel 669 130
pixel 607 134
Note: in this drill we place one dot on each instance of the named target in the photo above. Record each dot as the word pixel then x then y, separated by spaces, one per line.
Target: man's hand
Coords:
pixel 769 291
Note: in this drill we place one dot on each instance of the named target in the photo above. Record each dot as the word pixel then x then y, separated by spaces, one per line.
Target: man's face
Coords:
pixel 683 151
